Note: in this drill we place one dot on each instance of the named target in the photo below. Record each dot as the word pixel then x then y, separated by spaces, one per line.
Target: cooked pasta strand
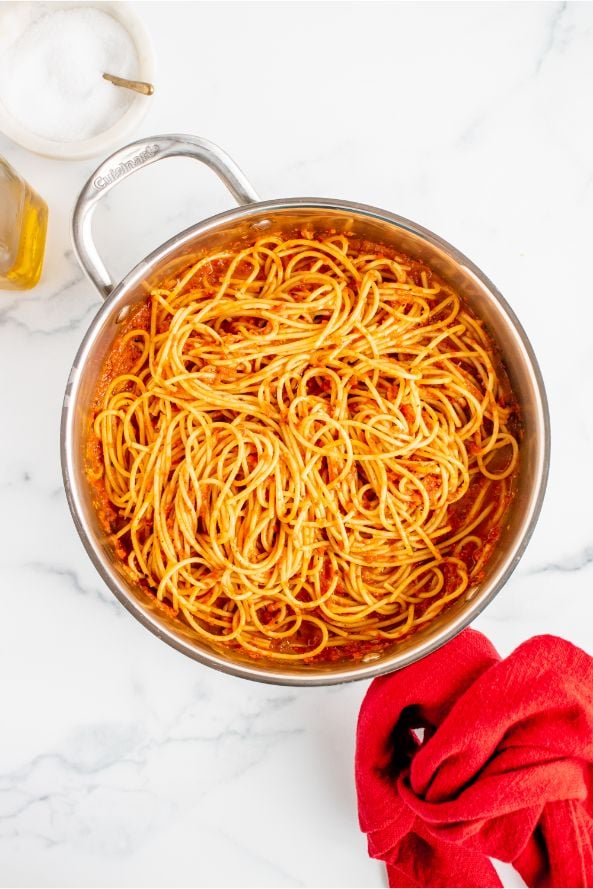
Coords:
pixel 304 447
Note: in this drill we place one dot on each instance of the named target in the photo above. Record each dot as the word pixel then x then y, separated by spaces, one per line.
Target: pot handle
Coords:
pixel 128 160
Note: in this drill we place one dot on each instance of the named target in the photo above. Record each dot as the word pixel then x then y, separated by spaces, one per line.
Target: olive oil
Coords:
pixel 23 227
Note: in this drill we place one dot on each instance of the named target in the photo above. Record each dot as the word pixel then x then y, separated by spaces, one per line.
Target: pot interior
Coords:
pixel 246 224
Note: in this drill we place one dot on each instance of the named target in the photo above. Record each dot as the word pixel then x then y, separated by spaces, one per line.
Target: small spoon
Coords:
pixel 146 89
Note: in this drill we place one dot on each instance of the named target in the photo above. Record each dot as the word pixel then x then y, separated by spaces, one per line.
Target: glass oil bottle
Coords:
pixel 23 227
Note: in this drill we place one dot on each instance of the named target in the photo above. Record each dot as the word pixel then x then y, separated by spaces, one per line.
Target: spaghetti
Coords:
pixel 304 447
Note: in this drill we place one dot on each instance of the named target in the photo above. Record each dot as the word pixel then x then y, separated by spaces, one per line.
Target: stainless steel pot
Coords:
pixel 251 218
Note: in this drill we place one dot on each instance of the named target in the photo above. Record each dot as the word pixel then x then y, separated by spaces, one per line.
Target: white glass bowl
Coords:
pixel 131 118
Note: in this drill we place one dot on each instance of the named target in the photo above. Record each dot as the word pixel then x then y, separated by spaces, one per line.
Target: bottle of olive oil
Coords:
pixel 23 226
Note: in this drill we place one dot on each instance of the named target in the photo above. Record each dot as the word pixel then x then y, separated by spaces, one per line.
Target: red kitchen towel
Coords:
pixel 502 769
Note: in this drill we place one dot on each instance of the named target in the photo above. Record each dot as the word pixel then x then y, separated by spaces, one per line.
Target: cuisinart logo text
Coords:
pixel 125 167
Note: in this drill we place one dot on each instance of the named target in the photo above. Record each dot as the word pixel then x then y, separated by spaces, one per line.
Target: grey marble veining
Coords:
pixel 121 762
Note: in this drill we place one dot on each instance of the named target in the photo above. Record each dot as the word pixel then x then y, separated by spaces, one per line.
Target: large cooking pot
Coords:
pixel 249 220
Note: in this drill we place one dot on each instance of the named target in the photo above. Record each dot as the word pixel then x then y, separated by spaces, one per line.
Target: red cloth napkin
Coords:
pixel 504 770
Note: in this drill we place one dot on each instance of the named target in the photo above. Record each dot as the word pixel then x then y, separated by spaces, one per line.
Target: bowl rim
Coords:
pixel 130 119
pixel 270 675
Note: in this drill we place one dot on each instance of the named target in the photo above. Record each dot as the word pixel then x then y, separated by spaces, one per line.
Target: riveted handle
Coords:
pixel 129 160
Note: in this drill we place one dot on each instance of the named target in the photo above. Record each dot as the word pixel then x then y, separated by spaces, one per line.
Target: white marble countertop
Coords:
pixel 122 762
